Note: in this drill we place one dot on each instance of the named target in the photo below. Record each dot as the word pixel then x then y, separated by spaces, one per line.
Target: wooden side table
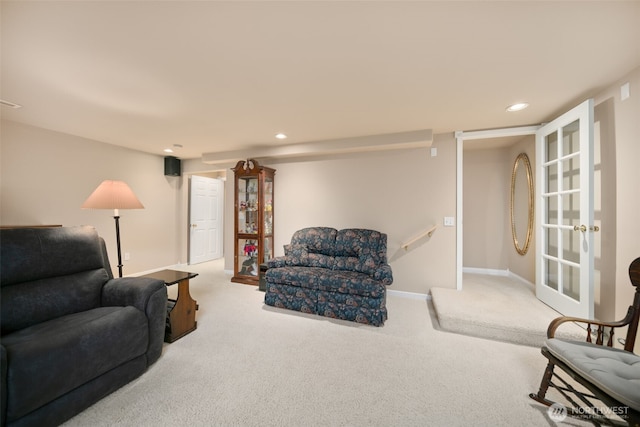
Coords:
pixel 181 312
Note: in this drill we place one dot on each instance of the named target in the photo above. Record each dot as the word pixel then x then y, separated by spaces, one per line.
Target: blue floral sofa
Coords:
pixel 339 274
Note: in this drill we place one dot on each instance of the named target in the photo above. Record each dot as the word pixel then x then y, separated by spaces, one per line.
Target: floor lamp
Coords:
pixel 113 195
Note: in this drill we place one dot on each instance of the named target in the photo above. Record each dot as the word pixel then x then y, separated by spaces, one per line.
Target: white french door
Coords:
pixel 564 212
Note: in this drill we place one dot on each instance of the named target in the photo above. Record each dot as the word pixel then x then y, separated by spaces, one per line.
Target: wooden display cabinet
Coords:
pixel 253 236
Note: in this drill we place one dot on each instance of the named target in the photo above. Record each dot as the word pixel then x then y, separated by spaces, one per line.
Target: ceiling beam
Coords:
pixel 390 141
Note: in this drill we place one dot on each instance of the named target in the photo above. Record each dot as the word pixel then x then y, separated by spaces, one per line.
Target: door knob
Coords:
pixel 582 228
pixel 194 225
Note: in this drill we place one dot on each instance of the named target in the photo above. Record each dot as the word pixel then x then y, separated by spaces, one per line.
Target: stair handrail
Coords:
pixel 428 232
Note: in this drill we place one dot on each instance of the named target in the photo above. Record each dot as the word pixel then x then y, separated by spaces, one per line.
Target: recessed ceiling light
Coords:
pixel 517 107
pixel 168 150
pixel 281 136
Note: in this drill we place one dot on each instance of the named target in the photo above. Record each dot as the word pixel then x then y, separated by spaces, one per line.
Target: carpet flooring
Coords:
pixel 499 308
pixel 252 365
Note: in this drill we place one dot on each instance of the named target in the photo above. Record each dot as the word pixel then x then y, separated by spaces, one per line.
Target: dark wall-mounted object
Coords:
pixel 172 166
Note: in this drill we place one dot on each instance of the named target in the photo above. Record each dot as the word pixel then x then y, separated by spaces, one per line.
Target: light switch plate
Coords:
pixel 449 221
pixel 625 91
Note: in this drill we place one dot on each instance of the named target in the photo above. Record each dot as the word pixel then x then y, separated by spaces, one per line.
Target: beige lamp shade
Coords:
pixel 112 195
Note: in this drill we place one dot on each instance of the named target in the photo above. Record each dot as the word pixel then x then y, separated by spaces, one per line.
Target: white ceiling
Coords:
pixel 223 76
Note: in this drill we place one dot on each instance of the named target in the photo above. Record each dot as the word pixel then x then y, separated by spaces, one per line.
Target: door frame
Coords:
pixel 461 137
pixel 220 212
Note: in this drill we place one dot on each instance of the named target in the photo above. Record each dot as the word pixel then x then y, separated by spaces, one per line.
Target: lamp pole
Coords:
pixel 116 216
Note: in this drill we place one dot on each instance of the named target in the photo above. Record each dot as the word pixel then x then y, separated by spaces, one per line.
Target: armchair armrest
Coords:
pixel 149 296
pixel 600 327
pixel 384 274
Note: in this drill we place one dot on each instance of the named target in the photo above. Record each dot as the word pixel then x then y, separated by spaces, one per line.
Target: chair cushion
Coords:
pixel 614 371
pixel 81 347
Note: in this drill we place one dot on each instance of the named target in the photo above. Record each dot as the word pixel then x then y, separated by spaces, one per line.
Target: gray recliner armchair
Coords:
pixel 71 333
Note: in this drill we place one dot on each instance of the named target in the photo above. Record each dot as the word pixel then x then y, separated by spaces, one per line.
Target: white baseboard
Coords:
pixel 410 295
pixel 496 272
pixel 168 267
pixel 488 271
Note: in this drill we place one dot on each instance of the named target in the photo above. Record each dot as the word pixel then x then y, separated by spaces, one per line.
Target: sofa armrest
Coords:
pixel 149 296
pixel 276 262
pixel 383 273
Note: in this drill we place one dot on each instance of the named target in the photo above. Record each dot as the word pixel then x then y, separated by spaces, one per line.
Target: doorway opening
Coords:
pixel 477 145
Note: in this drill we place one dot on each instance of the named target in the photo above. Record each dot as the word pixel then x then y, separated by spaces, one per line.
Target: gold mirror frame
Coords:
pixel 523 160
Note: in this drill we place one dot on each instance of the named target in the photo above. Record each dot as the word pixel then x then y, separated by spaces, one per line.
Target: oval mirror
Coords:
pixel 521 203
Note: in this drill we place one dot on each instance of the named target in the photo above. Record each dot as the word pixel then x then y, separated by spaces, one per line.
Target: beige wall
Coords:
pixel 400 193
pixel 618 134
pixel 485 202
pixel 46 176
pixel 487 240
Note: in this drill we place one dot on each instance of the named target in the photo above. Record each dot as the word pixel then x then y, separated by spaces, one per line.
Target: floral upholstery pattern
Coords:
pixel 319 240
pixel 338 274
pixel 371 311
pixel 291 297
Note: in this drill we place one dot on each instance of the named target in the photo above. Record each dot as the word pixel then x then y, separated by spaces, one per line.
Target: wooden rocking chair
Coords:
pixel 610 375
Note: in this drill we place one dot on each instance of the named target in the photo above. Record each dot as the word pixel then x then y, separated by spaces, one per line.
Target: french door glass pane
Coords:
pixel 570 245
pixel 552 178
pixel 571 173
pixel 552 242
pixel 571 282
pixel 552 210
pixel 551 148
pixel 552 273
pixel 571 209
pixel 571 138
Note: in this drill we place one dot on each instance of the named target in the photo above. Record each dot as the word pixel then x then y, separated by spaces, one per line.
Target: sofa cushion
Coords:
pixel 299 255
pixel 320 240
pixel 304 277
pixel 30 303
pixel 362 243
pixel 364 264
pixel 80 346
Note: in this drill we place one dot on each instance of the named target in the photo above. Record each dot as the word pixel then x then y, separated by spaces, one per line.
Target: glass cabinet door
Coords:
pixel 247 257
pixel 247 206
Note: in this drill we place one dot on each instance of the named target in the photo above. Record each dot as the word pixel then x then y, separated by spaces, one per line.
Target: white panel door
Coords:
pixel 206 219
pixel 564 212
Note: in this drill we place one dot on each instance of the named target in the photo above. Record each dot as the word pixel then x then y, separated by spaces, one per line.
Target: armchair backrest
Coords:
pixel 46 273
pixel 634 310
